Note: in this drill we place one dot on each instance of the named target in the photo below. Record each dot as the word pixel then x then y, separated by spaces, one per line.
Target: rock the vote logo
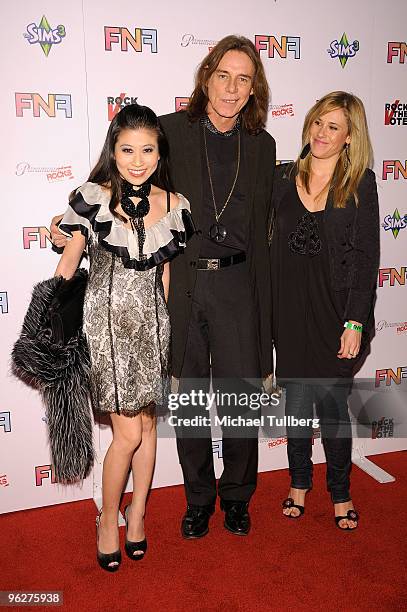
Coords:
pixel 284 46
pixel 122 38
pixel 116 103
pixel 34 104
pixel 44 35
pixel 395 113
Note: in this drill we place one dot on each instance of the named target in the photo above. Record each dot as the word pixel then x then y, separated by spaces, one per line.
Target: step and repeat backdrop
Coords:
pixel 67 68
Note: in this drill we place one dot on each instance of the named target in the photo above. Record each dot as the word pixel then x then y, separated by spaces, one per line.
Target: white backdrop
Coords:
pixel 61 62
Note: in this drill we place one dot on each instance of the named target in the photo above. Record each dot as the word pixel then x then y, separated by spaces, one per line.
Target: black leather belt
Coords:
pixel 223 262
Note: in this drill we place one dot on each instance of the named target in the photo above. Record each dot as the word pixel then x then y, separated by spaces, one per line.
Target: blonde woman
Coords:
pixel 325 255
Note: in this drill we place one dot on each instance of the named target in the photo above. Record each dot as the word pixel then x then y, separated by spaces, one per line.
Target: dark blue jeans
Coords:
pixel 332 410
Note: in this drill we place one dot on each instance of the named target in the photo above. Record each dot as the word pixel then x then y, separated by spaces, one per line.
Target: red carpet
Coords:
pixel 282 565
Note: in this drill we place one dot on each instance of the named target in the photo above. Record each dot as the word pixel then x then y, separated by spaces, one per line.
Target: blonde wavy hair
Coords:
pixel 353 160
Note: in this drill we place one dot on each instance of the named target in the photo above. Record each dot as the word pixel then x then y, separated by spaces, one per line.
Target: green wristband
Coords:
pixel 353 326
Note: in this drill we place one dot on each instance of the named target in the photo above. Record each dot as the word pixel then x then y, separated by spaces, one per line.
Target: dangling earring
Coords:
pixel 305 151
pixel 346 162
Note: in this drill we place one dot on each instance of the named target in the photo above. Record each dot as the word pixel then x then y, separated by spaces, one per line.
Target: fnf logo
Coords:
pixel 5 421
pixel 343 49
pixel 396 49
pixel 115 104
pixel 44 472
pixel 395 223
pixel 57 103
pixel 3 302
pixel 383 428
pixel 394 168
pixel 392 276
pixel 143 38
pixel 395 113
pixel 217 448
pixel 40 235
pixel 283 46
pixel 389 376
pixel 44 35
pixel 181 104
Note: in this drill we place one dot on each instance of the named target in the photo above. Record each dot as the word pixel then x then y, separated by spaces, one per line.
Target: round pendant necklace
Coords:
pixel 136 212
pixel 217 231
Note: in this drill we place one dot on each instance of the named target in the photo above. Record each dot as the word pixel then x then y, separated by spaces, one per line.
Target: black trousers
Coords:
pixel 223 346
pixel 332 410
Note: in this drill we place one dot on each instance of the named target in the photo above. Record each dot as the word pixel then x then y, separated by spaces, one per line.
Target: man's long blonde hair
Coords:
pixel 353 160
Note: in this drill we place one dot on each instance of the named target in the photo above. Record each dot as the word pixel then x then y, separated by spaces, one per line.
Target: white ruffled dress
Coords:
pixel 125 319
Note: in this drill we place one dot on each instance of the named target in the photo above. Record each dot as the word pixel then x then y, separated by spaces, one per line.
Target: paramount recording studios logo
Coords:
pixel 400 326
pixel 395 223
pixel 395 113
pixel 343 49
pixel 189 40
pixel 44 35
pixel 281 111
pixel 383 428
pixel 116 103
pixel 3 480
pixel 54 174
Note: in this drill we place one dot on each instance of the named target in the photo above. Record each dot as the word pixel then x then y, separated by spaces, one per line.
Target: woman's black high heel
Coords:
pixel 106 559
pixel 134 547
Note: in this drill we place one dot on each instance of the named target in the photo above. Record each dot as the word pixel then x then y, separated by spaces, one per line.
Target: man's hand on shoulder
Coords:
pixel 57 238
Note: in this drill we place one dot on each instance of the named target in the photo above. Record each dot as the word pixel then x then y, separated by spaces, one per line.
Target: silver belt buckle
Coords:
pixel 213 264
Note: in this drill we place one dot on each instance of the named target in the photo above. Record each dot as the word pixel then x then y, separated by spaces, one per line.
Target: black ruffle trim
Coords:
pixel 165 253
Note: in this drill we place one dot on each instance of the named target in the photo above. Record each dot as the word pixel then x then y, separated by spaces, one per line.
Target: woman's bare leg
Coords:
pixel 127 433
pixel 142 467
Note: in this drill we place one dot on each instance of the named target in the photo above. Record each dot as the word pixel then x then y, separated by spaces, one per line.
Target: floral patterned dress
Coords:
pixel 126 320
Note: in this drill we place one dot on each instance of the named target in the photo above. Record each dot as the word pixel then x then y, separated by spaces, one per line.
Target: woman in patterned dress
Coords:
pixel 132 225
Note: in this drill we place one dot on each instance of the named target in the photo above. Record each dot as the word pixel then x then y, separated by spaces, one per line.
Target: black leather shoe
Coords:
pixel 237 518
pixel 195 521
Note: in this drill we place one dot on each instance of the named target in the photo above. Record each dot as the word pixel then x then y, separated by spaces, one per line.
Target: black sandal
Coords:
pixel 134 547
pixel 289 503
pixel 107 561
pixel 351 515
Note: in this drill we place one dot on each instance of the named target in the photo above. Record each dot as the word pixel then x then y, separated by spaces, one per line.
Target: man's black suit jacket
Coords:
pixel 185 159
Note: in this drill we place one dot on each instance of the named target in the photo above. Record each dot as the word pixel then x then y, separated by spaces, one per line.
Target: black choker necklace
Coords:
pixel 136 212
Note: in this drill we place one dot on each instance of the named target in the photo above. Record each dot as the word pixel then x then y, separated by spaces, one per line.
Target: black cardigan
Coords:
pixel 185 160
pixel 353 242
